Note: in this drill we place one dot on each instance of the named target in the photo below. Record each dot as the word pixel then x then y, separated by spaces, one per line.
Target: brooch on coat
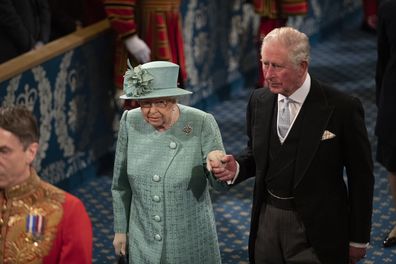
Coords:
pixel 187 129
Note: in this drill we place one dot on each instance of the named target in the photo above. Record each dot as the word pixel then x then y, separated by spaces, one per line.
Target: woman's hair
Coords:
pixel 172 99
pixel 296 42
pixel 20 121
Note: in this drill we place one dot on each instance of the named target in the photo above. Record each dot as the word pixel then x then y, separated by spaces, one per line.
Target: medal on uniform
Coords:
pixel 34 227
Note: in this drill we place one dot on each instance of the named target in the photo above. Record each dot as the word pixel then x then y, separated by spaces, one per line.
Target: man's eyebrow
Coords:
pixel 4 147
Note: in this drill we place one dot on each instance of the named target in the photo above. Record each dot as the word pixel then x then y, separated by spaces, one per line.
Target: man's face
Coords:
pixel 15 160
pixel 281 75
pixel 158 112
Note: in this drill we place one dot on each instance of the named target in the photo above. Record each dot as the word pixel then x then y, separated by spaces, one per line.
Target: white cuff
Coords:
pixel 358 245
pixel 236 175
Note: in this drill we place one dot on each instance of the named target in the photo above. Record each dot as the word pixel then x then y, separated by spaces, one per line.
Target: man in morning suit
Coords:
pixel 304 139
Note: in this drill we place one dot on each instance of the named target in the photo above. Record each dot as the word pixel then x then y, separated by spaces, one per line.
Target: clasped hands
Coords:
pixel 223 167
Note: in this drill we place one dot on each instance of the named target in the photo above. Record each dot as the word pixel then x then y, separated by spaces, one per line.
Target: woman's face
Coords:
pixel 159 112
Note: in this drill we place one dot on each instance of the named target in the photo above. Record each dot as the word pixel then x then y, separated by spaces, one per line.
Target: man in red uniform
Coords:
pixel 39 223
pixel 146 30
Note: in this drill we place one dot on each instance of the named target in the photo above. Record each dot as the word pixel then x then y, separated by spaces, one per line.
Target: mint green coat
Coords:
pixel 161 188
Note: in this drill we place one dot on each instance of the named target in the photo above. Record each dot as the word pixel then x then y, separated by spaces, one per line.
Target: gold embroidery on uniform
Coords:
pixel 32 197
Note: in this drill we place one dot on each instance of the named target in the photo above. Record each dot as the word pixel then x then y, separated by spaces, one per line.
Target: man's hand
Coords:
pixel 119 243
pixel 138 48
pixel 223 166
pixel 356 254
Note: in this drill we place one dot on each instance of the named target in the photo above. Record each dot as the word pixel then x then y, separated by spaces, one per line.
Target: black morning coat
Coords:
pixel 333 212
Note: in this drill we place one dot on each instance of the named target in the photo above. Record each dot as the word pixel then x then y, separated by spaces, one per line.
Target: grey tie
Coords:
pixel 284 117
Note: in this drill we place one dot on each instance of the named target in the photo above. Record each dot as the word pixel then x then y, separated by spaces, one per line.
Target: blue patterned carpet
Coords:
pixel 348 62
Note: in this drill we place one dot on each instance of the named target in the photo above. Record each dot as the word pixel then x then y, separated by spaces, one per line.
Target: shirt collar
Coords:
pixel 301 93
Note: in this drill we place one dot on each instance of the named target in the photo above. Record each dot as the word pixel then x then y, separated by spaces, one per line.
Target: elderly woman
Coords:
pixel 162 207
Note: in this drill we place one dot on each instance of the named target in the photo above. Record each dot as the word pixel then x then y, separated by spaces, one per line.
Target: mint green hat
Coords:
pixel 152 80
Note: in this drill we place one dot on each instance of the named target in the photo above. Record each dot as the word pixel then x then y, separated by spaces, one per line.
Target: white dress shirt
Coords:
pixel 296 101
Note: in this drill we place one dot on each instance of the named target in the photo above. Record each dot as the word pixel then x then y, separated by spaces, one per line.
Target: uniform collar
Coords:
pixel 28 186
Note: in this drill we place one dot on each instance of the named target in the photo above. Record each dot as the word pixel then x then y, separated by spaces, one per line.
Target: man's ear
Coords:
pixel 31 152
pixel 303 67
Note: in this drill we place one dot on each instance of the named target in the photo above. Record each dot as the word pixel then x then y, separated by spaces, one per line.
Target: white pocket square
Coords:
pixel 327 135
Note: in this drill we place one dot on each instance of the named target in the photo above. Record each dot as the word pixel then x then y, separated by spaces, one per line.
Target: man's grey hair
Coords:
pixel 296 42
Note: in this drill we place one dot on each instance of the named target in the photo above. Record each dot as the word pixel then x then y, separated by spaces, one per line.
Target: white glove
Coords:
pixel 119 243
pixel 214 159
pixel 138 48
pixel 38 45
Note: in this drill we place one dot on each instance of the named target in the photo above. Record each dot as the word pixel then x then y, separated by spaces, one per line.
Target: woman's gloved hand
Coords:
pixel 214 159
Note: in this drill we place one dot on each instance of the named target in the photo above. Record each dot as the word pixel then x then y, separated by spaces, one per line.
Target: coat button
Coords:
pixel 156 178
pixel 172 145
pixel 157 218
pixel 156 198
pixel 157 237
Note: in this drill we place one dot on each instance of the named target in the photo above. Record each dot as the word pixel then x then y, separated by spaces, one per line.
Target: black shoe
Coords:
pixel 389 242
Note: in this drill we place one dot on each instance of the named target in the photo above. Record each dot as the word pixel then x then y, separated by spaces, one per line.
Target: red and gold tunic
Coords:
pixel 157 22
pixel 280 8
pixel 40 223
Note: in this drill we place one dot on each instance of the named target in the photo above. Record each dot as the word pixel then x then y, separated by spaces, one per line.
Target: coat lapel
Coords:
pixel 316 114
pixel 263 111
